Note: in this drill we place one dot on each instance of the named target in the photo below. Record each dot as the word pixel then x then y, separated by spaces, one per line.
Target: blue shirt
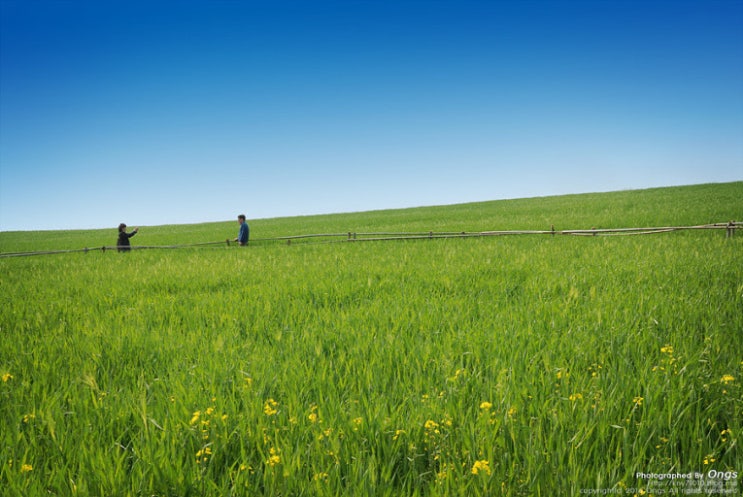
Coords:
pixel 244 233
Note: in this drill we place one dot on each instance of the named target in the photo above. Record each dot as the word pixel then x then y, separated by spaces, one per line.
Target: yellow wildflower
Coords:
pixel 320 476
pixel 667 350
pixel 26 468
pixel 482 465
pixel 6 377
pixel 575 396
pixel 207 451
pixel 638 400
pixel 727 379
pixel 270 407
pixel 274 458
pixel 195 418
pixel 486 406
pixel 312 417
pixel 511 412
pixel 397 434
pixel 431 425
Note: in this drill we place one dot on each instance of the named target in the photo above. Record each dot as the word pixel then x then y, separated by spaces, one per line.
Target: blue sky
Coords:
pixel 155 112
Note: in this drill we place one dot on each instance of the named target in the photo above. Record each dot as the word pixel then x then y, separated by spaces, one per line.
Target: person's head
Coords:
pixel 241 218
pixel 122 227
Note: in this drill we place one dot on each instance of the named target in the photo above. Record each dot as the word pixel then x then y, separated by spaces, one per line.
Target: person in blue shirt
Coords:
pixel 244 233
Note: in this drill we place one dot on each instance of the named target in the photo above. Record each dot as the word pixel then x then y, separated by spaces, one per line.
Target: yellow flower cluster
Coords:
pixel 481 466
pixel 444 472
pixel 274 458
pixel 202 456
pixel 270 408
pixel 357 422
pixel 325 434
pixel 575 397
pixel 431 426
pixel 459 373
pixel 595 370
pixel 664 440
pixel 6 377
pixel 486 407
pixel 195 417
pixel 723 434
pixel 203 419
pixel 670 360
pixel 727 379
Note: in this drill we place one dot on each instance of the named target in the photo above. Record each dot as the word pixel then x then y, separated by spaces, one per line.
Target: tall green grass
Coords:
pixel 492 366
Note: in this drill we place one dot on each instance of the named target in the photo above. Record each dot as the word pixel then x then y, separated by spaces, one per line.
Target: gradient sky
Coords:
pixel 155 112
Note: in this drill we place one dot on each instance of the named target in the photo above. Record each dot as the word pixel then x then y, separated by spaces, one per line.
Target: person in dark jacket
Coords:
pixel 123 243
pixel 244 233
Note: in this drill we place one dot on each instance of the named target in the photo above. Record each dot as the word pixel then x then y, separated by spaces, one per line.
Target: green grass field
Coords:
pixel 520 365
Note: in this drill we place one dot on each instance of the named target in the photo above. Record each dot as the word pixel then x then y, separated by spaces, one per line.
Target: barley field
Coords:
pixel 531 365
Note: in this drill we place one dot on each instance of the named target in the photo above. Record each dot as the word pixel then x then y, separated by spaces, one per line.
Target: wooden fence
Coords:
pixel 729 227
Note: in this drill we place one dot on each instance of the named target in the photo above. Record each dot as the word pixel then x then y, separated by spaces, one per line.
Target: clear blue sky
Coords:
pixel 159 112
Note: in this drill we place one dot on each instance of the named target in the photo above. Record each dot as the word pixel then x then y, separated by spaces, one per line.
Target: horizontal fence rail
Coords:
pixel 730 227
